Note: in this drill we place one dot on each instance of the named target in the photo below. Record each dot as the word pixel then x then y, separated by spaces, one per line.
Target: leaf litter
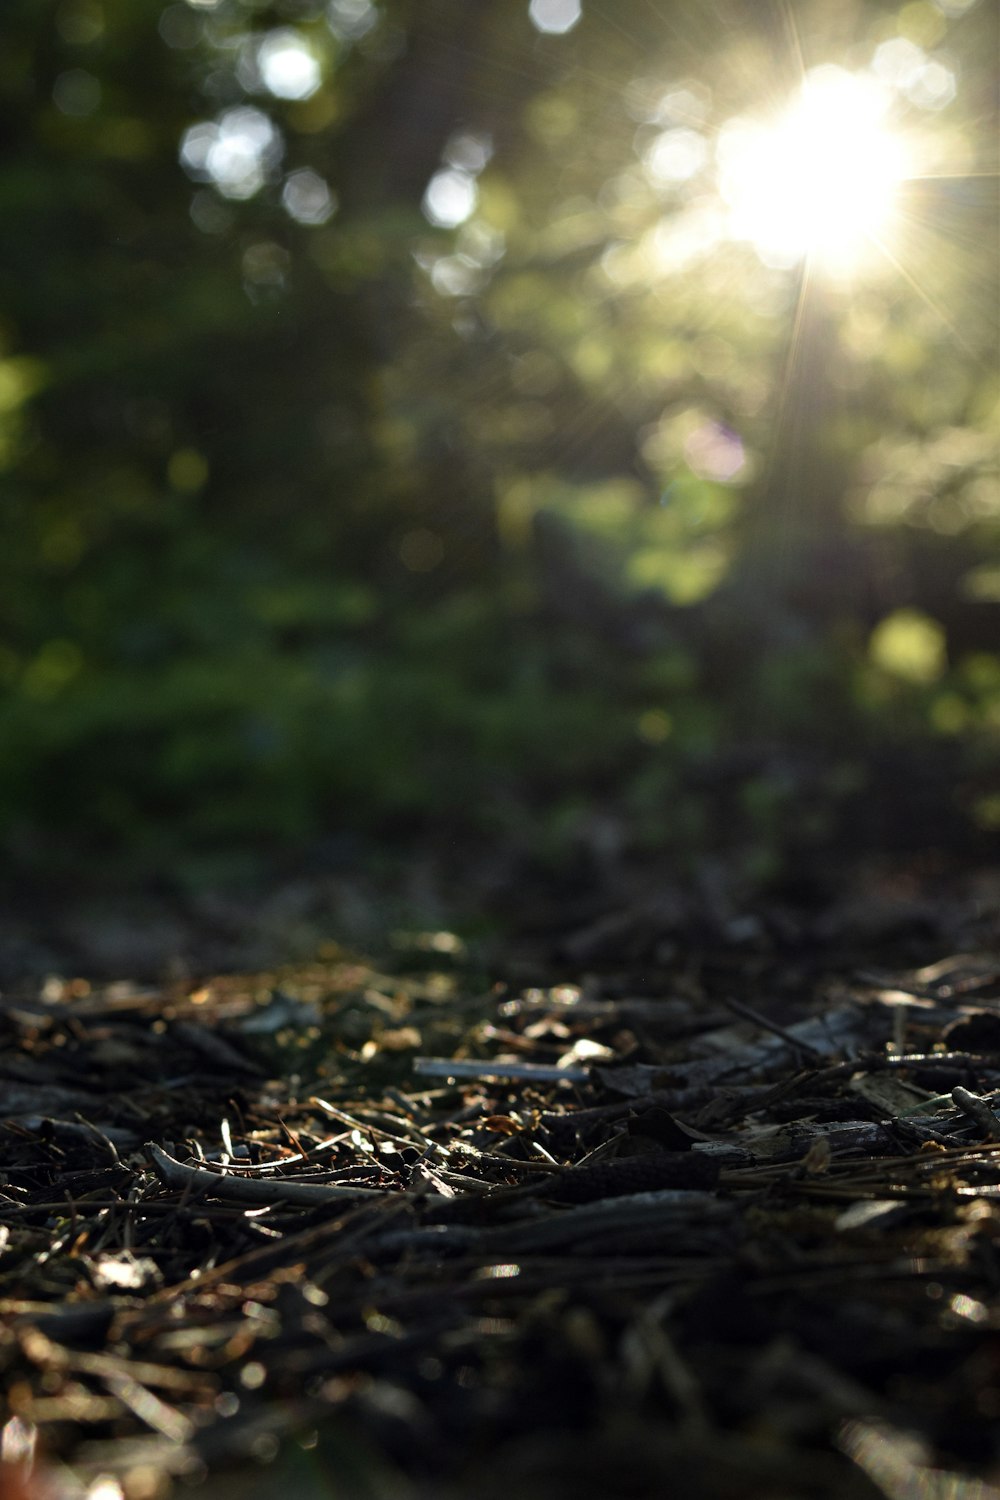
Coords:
pixel 717 1215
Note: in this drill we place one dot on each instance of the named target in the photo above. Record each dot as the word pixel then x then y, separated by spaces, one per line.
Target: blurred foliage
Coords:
pixel 394 445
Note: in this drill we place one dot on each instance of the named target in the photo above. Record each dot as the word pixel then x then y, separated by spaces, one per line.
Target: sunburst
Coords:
pixel 821 181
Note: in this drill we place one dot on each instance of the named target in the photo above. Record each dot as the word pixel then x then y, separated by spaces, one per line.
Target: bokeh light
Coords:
pixel 349 20
pixel 468 151
pixel 676 155
pixel 288 68
pixel 307 198
pixel 714 451
pixel 238 152
pixel 76 93
pixel 450 198
pixel 555 17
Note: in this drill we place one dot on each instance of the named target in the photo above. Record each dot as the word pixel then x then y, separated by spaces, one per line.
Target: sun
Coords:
pixel 821 181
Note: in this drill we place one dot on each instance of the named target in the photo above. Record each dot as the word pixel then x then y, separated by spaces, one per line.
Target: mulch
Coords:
pixel 614 1216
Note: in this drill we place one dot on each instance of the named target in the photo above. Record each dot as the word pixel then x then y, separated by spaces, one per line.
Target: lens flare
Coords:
pixel 822 180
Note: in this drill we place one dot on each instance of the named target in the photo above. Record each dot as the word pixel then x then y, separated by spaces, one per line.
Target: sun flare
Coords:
pixel 821 180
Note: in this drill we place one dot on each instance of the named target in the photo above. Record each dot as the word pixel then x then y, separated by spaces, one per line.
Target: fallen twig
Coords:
pixel 977 1109
pixel 448 1067
pixel 258 1190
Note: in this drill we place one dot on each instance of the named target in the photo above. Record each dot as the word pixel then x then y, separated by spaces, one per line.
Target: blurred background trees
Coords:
pixel 418 423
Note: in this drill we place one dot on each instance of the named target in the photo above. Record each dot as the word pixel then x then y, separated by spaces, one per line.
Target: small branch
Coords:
pixel 447 1067
pixel 979 1110
pixel 253 1190
pixel 748 1013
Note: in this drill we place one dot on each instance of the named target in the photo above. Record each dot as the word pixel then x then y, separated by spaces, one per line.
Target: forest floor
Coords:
pixel 667 1192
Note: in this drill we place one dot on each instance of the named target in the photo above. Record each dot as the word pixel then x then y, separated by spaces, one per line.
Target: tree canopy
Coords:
pixel 572 425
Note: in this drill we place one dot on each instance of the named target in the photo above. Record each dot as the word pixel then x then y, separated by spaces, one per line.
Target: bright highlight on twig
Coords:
pixel 819 182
